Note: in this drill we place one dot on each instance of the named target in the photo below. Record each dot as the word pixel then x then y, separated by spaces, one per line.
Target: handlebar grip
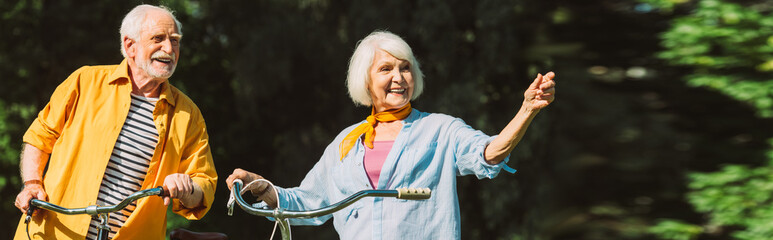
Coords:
pixel 414 193
pixel 164 192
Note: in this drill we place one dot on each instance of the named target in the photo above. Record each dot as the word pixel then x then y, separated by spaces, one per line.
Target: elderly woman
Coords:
pixel 398 146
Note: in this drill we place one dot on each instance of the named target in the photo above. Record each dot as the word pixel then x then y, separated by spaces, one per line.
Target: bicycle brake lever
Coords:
pixel 231 199
pixel 30 211
pixel 230 204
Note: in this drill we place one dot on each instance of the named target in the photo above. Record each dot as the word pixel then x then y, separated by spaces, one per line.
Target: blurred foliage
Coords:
pixel 676 230
pixel 10 117
pixel 610 159
pixel 728 48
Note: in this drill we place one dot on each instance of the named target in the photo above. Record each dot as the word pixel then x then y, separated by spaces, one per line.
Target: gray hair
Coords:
pixel 358 77
pixel 132 23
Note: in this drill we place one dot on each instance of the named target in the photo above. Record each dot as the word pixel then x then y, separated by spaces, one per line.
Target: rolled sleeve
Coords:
pixel 474 162
pixel 46 128
pixel 469 148
pixel 41 136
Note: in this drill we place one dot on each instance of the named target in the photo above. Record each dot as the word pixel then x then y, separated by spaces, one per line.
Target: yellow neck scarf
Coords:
pixel 368 130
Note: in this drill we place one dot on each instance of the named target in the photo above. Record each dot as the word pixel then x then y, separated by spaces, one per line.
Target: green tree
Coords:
pixel 727 47
pixel 604 162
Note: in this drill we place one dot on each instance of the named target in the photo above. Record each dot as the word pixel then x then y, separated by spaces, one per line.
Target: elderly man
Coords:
pixel 109 131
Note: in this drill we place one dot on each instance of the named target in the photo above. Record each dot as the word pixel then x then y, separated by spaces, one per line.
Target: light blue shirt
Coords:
pixel 429 152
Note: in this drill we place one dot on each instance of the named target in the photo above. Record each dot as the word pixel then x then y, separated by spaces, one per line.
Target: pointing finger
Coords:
pixel 550 75
pixel 536 82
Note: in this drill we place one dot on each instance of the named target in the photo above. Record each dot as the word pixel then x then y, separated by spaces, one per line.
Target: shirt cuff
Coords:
pixel 508 168
pixel 501 165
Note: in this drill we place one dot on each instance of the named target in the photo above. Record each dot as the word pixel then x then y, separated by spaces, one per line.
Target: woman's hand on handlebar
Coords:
pixel 32 189
pixel 245 176
pixel 261 189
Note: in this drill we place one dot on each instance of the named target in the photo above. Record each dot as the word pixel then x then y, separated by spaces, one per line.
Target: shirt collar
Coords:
pixel 122 72
pixel 411 117
pixel 166 93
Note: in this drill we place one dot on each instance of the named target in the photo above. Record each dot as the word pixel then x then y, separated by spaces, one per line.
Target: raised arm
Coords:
pixel 539 95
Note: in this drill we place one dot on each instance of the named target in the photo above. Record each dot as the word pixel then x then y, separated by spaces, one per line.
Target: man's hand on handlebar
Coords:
pixel 261 189
pixel 32 190
pixel 182 187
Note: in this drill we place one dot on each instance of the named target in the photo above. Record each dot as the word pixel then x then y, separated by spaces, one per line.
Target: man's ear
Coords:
pixel 130 47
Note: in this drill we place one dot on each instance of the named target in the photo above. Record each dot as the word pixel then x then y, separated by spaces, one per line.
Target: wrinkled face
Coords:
pixel 391 82
pixel 158 49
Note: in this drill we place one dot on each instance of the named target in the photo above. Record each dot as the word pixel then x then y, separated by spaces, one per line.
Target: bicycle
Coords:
pixel 103 212
pixel 282 215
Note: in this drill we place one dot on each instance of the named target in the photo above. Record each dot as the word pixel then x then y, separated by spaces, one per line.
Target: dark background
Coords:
pixel 606 160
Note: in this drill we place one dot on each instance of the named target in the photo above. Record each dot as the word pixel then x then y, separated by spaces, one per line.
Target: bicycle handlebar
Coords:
pixel 94 209
pixel 279 213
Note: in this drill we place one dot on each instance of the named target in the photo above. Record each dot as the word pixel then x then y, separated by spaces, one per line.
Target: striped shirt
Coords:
pixel 128 163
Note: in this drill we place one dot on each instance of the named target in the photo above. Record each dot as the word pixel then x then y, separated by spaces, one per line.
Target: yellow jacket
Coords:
pixel 79 127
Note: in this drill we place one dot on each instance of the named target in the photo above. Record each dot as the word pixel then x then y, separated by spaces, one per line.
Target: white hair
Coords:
pixel 358 78
pixel 132 23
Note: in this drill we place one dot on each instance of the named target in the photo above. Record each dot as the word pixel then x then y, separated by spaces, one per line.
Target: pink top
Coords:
pixel 374 160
